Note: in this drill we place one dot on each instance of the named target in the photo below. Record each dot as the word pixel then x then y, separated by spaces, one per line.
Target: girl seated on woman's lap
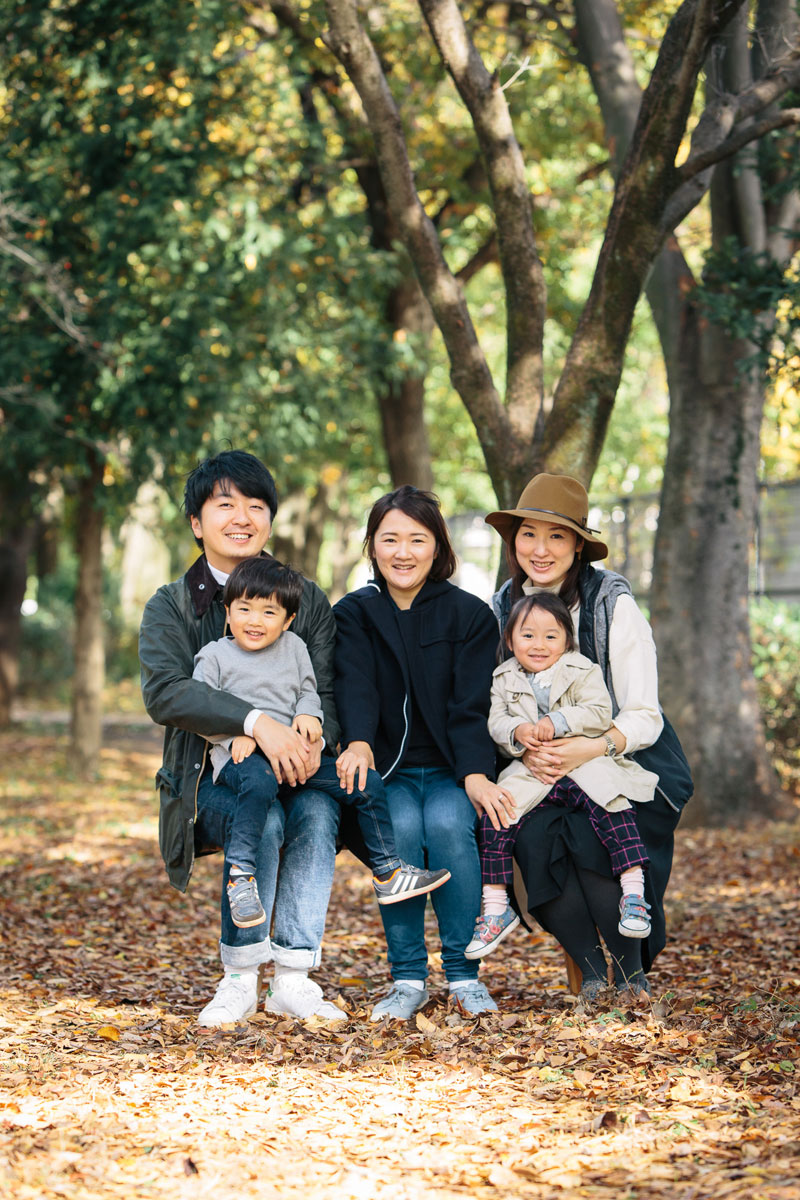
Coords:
pixel 548 690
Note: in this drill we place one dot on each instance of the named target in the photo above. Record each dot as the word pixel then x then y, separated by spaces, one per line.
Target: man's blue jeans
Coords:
pixel 257 790
pixel 434 824
pixel 305 822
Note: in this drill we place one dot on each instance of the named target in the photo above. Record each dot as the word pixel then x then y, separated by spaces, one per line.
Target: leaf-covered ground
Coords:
pixel 109 1089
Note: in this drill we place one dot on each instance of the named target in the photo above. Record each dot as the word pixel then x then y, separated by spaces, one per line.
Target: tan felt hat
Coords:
pixel 559 500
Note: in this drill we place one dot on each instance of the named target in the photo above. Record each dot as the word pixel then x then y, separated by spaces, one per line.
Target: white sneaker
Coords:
pixel 299 996
pixel 236 999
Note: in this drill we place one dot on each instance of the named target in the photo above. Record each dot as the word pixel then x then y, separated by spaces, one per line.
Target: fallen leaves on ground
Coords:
pixel 110 1089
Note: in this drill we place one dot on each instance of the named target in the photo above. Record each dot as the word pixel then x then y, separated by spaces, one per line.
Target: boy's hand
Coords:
pixel 242 747
pixel 525 735
pixel 308 727
pixel 544 730
pixel 286 751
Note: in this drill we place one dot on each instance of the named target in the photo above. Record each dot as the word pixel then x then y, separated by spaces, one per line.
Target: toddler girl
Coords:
pixel 546 691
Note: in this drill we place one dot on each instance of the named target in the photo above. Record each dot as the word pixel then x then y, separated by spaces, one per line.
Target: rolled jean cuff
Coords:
pixel 301 960
pixel 246 956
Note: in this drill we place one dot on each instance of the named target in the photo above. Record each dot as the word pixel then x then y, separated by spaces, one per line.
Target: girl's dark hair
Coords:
pixel 422 507
pixel 243 470
pixel 569 590
pixel 263 578
pixel 549 602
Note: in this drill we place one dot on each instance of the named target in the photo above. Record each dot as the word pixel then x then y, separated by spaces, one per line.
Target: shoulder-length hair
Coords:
pixel 424 508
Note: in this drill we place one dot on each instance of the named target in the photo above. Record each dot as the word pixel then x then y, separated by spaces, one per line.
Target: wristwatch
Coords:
pixel 611 746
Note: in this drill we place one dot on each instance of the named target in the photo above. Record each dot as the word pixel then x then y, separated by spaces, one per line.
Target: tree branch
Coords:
pixel 737 141
pixel 469 370
pixel 634 235
pixel 520 264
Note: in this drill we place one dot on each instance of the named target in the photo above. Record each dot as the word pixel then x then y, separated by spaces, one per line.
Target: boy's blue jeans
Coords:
pixel 257 790
pixel 300 836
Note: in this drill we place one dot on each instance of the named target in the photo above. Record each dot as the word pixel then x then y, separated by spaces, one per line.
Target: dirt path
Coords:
pixel 108 1088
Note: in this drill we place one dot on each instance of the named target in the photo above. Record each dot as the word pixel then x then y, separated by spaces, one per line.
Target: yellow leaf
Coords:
pixel 109 1032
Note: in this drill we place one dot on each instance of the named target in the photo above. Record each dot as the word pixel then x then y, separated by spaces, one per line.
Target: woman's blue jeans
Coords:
pixel 435 825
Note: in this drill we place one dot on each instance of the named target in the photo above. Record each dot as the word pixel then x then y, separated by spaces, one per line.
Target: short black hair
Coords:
pixel 261 578
pixel 549 602
pixel 243 470
pixel 424 508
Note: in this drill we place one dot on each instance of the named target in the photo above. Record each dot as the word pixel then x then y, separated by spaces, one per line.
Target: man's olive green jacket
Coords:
pixel 178 620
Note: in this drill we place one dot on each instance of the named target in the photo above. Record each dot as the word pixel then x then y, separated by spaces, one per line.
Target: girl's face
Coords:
pixel 546 552
pixel 538 640
pixel 404 551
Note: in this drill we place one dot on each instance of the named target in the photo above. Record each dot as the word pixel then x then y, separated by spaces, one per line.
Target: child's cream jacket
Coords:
pixel 579 693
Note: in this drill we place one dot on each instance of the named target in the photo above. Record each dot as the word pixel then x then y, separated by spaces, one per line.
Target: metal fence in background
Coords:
pixel 628 525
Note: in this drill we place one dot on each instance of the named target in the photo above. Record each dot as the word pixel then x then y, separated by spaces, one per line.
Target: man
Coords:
pixel 231 501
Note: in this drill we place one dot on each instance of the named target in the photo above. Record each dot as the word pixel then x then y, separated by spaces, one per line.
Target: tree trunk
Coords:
pixel 403 404
pixel 700 581
pixel 298 531
pixel 709 495
pixel 87 689
pixel 16 543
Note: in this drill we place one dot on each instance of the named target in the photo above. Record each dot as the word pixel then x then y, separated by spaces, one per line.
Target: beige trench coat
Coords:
pixel 579 693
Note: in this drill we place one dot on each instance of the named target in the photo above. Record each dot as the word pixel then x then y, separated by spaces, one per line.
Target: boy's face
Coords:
pixel 256 623
pixel 232 526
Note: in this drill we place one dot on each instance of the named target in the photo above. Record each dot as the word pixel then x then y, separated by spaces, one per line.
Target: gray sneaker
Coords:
pixel 401 1003
pixel 406 882
pixel 473 998
pixel 245 905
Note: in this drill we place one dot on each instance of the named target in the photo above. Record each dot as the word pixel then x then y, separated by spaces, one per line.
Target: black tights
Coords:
pixel 589 902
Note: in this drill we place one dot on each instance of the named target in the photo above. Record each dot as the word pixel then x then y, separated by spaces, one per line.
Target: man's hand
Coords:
pixel 242 747
pixel 353 764
pixel 308 727
pixel 490 798
pixel 287 752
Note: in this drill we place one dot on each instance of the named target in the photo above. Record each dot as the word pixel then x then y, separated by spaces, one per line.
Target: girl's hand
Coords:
pixel 544 730
pixel 551 761
pixel 525 735
pixel 490 798
pixel 353 764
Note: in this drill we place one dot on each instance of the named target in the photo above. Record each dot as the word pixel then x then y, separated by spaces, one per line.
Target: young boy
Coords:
pixel 265 664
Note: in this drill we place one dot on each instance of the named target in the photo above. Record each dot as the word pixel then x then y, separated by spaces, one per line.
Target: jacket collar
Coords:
pixel 429 590
pixel 203 587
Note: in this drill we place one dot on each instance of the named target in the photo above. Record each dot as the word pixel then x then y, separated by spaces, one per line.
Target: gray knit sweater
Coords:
pixel 278 680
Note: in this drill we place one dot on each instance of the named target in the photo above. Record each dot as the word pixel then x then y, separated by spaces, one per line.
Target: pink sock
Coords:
pixel 632 882
pixel 495 899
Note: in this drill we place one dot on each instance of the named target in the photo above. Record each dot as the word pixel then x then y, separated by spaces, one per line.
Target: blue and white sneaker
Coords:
pixel 489 933
pixel 633 919
pixel 406 882
pixel 473 998
pixel 401 1003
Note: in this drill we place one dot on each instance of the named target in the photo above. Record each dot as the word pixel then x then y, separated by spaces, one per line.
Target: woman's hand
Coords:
pixel 490 798
pixel 353 763
pixel 551 761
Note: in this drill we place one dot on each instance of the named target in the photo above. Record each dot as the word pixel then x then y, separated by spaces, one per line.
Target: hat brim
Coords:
pixel 503 522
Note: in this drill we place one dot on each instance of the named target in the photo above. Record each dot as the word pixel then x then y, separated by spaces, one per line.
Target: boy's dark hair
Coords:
pixel 243 470
pixel 422 507
pixel 261 578
pixel 550 603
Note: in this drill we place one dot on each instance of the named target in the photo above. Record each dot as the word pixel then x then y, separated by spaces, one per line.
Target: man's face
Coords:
pixel 232 526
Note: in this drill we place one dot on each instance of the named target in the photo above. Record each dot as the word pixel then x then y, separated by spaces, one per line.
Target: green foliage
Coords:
pixel 776 657
pixel 755 299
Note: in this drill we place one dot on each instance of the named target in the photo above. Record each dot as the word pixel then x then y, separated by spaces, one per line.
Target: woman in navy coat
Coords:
pixel 414 660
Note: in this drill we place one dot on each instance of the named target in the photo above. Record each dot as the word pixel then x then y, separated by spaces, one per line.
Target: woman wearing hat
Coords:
pixel 567 875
